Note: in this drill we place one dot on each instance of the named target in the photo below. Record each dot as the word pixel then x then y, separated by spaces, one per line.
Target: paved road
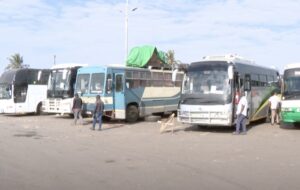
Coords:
pixel 45 152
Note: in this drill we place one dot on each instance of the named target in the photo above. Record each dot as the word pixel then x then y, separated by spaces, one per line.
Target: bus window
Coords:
pixel 82 83
pixel 5 91
pixel 168 79
pixel 97 83
pixel 119 83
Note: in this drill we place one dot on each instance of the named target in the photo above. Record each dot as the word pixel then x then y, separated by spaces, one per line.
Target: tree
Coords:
pixel 16 62
pixel 171 57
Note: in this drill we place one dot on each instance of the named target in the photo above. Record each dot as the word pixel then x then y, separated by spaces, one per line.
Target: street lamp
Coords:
pixel 126 28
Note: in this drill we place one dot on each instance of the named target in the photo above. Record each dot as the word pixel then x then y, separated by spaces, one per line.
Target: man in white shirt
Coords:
pixel 274 102
pixel 241 114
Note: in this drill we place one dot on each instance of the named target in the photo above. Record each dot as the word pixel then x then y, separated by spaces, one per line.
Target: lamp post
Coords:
pixel 126 27
pixel 126 30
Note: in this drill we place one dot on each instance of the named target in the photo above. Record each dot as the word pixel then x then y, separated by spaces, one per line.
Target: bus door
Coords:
pixel 247 89
pixel 119 98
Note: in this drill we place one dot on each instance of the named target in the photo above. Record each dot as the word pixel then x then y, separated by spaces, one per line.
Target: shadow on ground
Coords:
pixel 220 129
pixel 290 126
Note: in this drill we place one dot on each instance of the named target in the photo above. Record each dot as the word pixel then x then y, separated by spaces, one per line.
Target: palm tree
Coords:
pixel 16 62
pixel 171 57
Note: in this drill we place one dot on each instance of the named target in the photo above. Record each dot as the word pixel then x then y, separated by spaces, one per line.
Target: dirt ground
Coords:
pixel 48 152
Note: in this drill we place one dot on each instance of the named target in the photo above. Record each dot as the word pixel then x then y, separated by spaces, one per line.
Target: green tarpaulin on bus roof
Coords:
pixel 143 55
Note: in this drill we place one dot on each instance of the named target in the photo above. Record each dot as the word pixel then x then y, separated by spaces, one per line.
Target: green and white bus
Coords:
pixel 211 87
pixel 290 103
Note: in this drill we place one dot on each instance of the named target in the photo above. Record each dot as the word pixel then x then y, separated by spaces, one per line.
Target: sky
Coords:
pixel 93 31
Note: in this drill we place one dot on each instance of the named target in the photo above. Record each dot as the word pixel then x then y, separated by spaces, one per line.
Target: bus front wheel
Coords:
pixel 132 113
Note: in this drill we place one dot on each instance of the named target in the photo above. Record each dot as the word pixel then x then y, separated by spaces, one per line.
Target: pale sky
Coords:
pixel 93 31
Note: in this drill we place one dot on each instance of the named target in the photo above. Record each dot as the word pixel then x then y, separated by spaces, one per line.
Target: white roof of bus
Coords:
pixel 292 66
pixel 228 58
pixel 68 65
pixel 235 59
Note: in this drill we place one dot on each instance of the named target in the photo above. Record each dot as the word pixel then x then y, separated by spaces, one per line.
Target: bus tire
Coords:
pixel 39 109
pixel 132 114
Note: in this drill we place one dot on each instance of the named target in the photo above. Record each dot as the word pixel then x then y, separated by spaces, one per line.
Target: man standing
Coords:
pixel 241 114
pixel 77 106
pixel 274 102
pixel 98 112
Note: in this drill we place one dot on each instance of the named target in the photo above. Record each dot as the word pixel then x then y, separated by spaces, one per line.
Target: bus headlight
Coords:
pixel 287 109
pixel 184 113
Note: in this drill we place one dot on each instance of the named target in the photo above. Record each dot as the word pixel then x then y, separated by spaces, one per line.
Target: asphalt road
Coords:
pixel 46 152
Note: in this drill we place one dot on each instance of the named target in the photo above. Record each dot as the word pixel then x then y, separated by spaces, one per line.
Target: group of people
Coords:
pixel 97 114
pixel 241 112
pixel 242 109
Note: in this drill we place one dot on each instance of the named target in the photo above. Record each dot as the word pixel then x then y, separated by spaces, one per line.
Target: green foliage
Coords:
pixel 16 62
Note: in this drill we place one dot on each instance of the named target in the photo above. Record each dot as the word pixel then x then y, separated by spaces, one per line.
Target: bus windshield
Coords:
pixel 291 83
pixel 82 83
pixel 59 80
pixel 87 84
pixel 5 91
pixel 207 83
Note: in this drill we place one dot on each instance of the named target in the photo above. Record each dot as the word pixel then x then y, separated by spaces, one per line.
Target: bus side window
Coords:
pixel 119 83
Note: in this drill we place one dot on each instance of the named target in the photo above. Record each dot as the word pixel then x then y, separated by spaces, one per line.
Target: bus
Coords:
pixel 60 91
pixel 129 93
pixel 211 90
pixel 23 90
pixel 290 109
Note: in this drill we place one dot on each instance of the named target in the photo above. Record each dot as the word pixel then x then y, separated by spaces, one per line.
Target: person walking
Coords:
pixel 98 112
pixel 274 103
pixel 77 108
pixel 241 113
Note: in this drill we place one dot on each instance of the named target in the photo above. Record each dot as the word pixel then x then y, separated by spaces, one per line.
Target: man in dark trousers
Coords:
pixel 77 106
pixel 98 112
pixel 241 114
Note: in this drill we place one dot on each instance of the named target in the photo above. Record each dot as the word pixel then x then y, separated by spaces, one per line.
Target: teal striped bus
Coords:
pixel 129 93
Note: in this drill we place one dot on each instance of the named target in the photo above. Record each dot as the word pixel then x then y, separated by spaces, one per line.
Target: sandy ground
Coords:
pixel 46 152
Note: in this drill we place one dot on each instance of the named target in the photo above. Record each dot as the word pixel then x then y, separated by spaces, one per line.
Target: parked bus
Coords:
pixel 212 87
pixel 129 93
pixel 60 90
pixel 23 90
pixel 290 109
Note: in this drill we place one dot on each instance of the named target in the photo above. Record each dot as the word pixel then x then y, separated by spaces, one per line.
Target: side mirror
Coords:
pixel 247 85
pixel 230 72
pixel 64 74
pixel 109 85
pixel 174 74
pixel 39 75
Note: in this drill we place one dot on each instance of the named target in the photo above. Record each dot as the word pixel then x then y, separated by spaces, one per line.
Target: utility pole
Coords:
pixel 126 30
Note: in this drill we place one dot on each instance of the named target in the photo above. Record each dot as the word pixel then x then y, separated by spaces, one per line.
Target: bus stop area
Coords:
pixel 48 152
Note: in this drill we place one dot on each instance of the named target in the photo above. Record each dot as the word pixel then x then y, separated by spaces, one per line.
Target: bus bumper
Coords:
pixel 211 116
pixel 290 117
pixel 59 106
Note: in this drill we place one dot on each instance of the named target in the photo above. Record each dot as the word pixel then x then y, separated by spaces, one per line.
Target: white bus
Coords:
pixel 60 91
pixel 290 111
pixel 211 87
pixel 23 90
